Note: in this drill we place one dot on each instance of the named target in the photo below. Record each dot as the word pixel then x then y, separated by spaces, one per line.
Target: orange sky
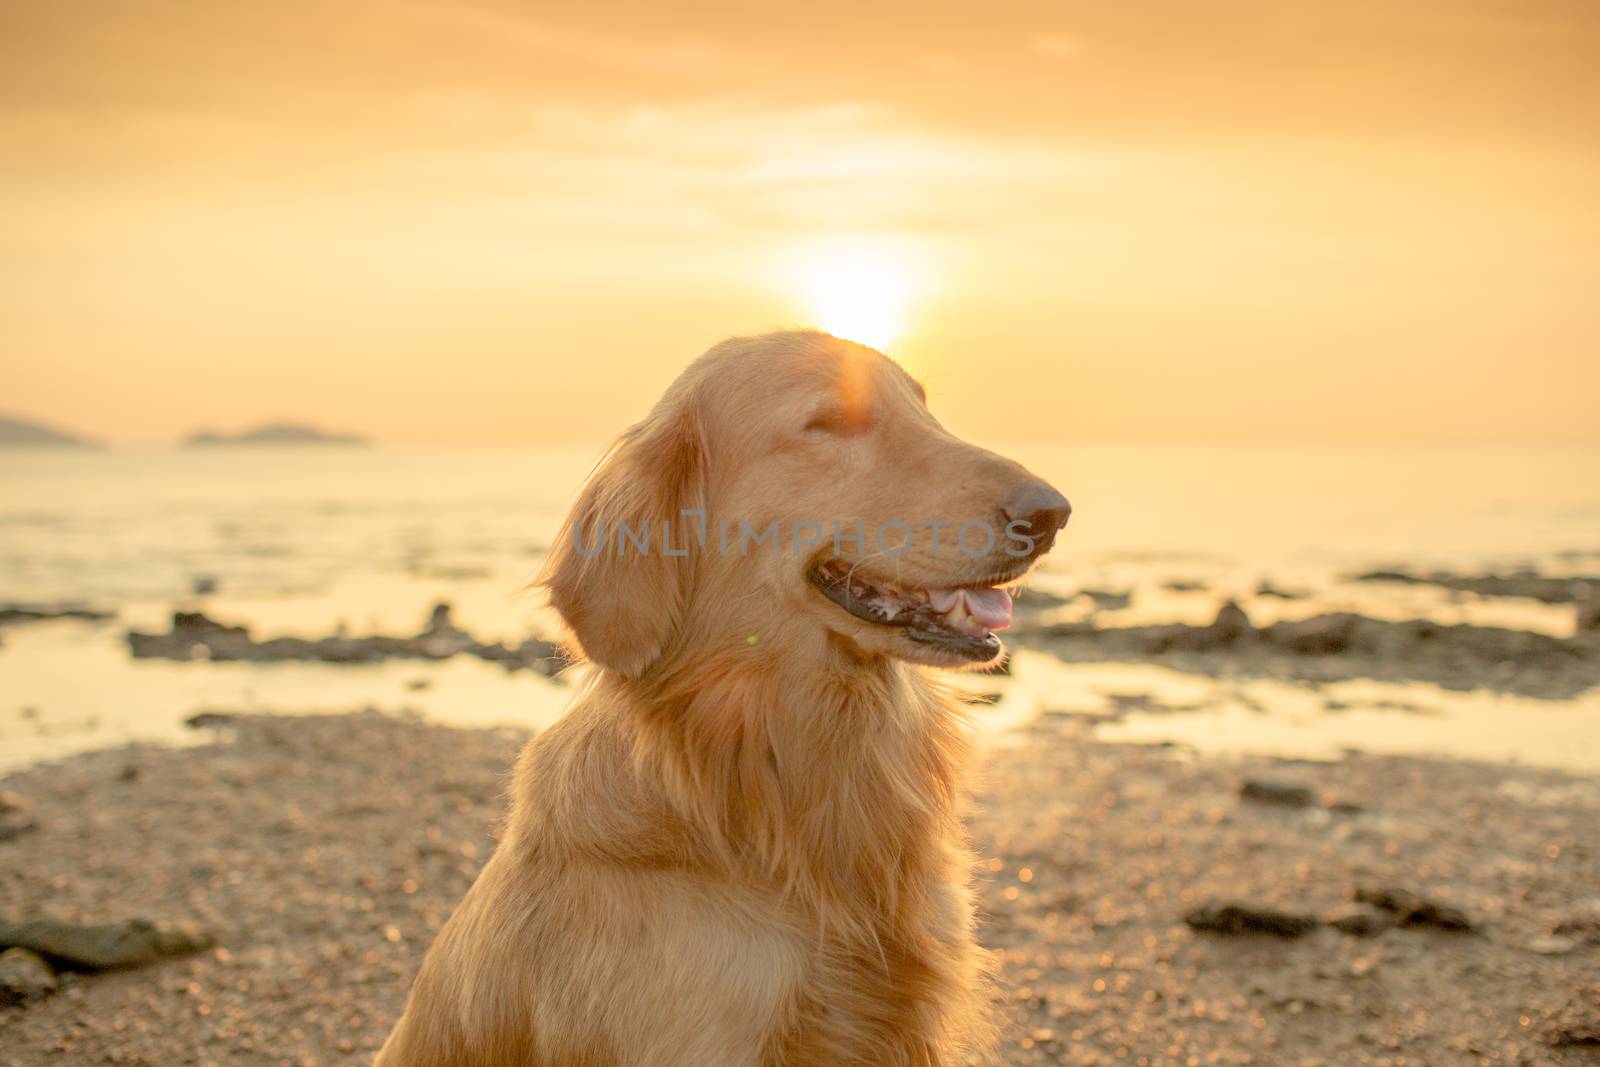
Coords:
pixel 487 221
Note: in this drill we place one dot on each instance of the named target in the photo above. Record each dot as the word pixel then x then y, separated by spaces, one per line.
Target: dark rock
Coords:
pixel 1320 635
pixel 1361 922
pixel 1231 626
pixel 1586 616
pixel 1034 602
pixel 1410 909
pixel 14 613
pixel 1289 794
pixel 194 636
pixel 1234 917
pixel 1586 928
pixel 441 633
pixel 196 624
pixel 1108 599
pixel 24 978
pixel 16 816
pixel 1527 584
pixel 1267 589
pixel 133 943
pixel 209 720
pixel 1345 645
pixel 13 825
pixel 1123 704
pixel 1398 577
pixel 1577 1023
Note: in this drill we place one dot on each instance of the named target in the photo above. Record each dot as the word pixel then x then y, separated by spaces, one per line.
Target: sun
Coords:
pixel 856 289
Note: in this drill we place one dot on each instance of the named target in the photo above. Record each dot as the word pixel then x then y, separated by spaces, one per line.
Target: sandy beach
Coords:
pixel 323 852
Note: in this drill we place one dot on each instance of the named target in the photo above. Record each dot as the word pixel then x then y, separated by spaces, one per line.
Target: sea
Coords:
pixel 308 540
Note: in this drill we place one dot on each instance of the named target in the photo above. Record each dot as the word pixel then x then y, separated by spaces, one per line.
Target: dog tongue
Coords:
pixel 987 607
pixel 991 607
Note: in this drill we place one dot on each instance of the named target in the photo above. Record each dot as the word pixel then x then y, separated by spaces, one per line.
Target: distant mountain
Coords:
pixel 275 433
pixel 24 434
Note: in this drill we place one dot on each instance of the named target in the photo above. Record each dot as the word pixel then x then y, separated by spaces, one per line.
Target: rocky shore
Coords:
pixel 1341 645
pixel 1328 647
pixel 1528 584
pixel 1146 907
pixel 11 613
pixel 195 636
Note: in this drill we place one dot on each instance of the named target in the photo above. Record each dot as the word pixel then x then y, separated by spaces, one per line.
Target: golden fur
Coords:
pixel 743 845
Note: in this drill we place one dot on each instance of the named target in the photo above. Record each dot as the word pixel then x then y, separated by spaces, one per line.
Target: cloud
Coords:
pixel 848 164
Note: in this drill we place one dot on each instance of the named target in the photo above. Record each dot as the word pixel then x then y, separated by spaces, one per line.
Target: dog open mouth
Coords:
pixel 962 620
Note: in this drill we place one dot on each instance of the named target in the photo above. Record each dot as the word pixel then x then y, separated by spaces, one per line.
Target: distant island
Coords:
pixel 277 433
pixel 22 433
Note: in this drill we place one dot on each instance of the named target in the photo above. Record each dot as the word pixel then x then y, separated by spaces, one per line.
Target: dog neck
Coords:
pixel 838 776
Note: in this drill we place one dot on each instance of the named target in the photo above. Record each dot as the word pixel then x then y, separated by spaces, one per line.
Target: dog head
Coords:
pixel 795 488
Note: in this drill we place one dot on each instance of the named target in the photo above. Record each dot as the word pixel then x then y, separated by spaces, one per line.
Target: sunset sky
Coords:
pixel 496 222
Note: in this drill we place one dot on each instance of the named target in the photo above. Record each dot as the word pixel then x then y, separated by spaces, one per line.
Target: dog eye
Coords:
pixel 839 420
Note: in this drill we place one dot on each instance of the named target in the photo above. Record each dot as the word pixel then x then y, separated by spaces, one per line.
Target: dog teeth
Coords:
pixel 960 619
pixel 888 601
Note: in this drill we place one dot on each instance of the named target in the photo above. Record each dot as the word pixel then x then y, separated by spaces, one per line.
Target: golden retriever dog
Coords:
pixel 744 844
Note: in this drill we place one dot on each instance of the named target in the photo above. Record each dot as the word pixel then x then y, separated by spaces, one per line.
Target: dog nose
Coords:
pixel 1041 510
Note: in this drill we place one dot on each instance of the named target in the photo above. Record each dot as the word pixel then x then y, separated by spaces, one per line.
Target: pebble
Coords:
pixel 24 977
pixel 1269 791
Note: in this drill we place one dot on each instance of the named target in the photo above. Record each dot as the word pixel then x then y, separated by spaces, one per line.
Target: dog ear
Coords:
pixel 623 598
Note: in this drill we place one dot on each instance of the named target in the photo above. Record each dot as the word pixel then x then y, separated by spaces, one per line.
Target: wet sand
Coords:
pixel 324 852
